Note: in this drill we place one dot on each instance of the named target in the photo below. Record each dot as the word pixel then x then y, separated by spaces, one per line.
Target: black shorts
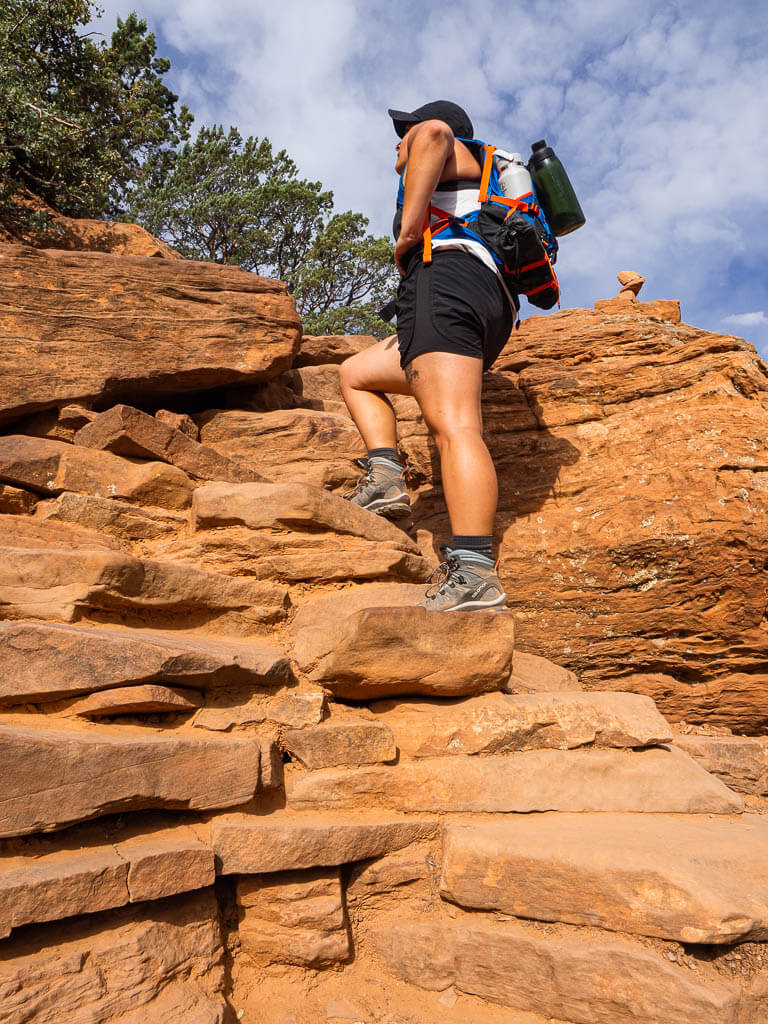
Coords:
pixel 453 304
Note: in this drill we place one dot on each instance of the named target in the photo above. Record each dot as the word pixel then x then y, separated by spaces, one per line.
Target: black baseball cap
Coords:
pixel 454 116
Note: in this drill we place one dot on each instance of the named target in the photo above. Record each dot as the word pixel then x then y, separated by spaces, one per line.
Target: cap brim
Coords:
pixel 402 120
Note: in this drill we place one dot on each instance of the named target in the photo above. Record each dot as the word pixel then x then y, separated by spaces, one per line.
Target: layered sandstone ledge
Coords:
pixel 246 778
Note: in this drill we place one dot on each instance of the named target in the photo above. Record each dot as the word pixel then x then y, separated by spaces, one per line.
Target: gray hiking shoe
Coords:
pixel 381 489
pixel 465 582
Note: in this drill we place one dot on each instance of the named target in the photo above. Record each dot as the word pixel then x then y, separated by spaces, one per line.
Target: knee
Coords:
pixel 454 435
pixel 347 375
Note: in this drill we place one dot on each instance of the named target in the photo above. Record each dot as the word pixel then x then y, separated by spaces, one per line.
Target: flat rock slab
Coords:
pixel 496 723
pixel 532 780
pixel 42 886
pixel 284 840
pixel 50 467
pixel 533 674
pixel 263 506
pixel 138 965
pixel 146 698
pixel 115 518
pixel 585 980
pixel 672 878
pixel 740 761
pixel 340 743
pixel 302 445
pixel 319 350
pixel 57 571
pixel 294 917
pixel 382 652
pixel 46 661
pixel 54 777
pixel 124 430
pixel 295 709
pixel 16 501
pixel 83 325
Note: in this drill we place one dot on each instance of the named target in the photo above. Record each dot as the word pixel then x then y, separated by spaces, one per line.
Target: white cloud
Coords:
pixel 650 106
pixel 746 319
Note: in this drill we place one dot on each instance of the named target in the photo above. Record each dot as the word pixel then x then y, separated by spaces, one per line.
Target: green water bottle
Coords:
pixel 554 190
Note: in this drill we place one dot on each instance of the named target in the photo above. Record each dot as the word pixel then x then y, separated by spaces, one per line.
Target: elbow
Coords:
pixel 436 133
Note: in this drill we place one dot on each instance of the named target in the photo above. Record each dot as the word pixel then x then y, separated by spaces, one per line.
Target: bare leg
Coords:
pixel 448 388
pixel 364 378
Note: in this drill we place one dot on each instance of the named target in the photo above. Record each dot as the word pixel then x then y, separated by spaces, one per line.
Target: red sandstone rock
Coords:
pixel 181 325
pixel 294 917
pixel 740 761
pixel 15 500
pixel 381 652
pixel 672 878
pixel 51 467
pixel 139 965
pixel 340 743
pixel 605 980
pixel 53 776
pixel 304 445
pixel 130 432
pixel 285 840
pixel 57 571
pixel 294 709
pixel 149 698
pixel 522 782
pixel 534 674
pixel 116 518
pixel 48 885
pixel 293 532
pixel 46 661
pixel 331 348
pixel 496 723
pixel 179 421
pixel 633 514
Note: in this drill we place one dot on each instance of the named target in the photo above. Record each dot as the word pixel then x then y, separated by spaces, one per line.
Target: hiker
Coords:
pixel 454 316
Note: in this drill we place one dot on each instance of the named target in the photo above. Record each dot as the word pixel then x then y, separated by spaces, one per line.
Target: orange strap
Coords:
pixel 485 179
pixel 427 239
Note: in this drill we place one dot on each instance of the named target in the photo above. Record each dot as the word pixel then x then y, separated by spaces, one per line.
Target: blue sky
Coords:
pixel 658 111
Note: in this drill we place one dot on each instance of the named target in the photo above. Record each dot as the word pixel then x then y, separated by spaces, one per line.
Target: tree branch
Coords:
pixel 52 117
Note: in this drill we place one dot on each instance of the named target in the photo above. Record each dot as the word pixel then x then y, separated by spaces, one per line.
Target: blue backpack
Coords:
pixel 513 228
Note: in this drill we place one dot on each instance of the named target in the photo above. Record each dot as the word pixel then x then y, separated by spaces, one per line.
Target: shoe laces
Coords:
pixel 447 573
pixel 366 478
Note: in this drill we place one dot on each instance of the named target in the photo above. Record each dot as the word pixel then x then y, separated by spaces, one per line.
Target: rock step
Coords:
pixel 672 878
pixel 58 571
pixel 296 917
pixel 496 723
pixel 143 964
pixel 525 781
pixel 293 531
pixel 48 886
pixel 379 652
pixel 286 840
pixel 124 430
pixel 50 467
pixel 53 777
pixel 580 978
pixel 42 661
pixel 182 326
pixel 740 761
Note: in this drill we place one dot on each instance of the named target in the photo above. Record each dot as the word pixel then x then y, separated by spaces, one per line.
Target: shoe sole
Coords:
pixel 500 605
pixel 393 511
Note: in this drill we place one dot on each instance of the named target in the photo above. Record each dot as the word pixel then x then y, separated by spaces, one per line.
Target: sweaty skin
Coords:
pixel 432 155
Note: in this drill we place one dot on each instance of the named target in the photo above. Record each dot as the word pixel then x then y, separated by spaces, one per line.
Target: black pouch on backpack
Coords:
pixel 516 241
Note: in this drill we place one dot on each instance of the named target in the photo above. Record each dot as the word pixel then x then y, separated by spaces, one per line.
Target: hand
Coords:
pixel 403 245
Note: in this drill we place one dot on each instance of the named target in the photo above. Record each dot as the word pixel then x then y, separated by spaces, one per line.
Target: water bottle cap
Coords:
pixel 541 152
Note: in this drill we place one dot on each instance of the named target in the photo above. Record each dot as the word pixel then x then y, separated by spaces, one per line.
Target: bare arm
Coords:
pixel 430 146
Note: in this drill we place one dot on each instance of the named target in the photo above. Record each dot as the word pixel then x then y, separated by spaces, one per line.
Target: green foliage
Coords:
pixel 90 128
pixel 80 119
pixel 233 201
